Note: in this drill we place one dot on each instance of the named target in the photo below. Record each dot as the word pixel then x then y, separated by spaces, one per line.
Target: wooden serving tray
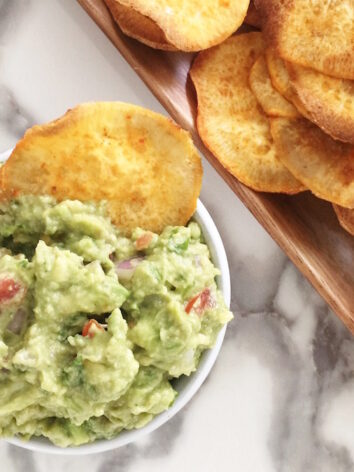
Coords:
pixel 303 226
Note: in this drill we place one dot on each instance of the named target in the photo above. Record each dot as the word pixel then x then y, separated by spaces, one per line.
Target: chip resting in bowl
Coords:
pixel 323 165
pixel 230 121
pixel 313 33
pixel 99 320
pixel 187 26
pixel 140 162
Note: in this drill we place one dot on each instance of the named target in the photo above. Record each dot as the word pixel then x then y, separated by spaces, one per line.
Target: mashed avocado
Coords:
pixel 94 326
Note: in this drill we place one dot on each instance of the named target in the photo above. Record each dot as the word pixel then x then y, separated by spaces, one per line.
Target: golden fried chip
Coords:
pixel 143 164
pixel 229 119
pixel 138 26
pixel 269 98
pixel 279 74
pixel 195 24
pixel 323 165
pixel 329 101
pixel 1 183
pixel 280 79
pixel 313 33
pixel 252 17
pixel 345 217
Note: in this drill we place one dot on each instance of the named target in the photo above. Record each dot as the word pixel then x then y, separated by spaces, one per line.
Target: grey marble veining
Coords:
pixel 280 397
pixel 14 121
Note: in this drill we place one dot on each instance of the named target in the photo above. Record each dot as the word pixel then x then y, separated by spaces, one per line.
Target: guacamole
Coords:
pixel 94 326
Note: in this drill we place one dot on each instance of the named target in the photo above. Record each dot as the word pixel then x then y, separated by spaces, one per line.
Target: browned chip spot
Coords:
pixel 323 165
pixel 345 217
pixel 252 17
pixel 140 162
pixel 229 119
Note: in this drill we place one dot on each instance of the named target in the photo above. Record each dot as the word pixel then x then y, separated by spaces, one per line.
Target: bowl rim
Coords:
pixel 219 258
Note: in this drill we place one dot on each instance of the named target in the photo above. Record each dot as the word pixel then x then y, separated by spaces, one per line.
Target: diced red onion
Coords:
pixel 16 324
pixel 197 260
pixel 125 269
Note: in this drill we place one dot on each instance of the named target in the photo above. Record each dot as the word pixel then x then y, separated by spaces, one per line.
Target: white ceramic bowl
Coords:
pixel 186 386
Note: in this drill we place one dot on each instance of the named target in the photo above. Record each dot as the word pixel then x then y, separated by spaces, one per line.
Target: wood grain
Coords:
pixel 303 226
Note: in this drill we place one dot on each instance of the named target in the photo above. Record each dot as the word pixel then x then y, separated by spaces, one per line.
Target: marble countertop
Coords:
pixel 280 397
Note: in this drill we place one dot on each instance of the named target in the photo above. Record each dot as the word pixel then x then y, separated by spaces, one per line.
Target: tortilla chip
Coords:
pixel 345 217
pixel 230 121
pixel 138 26
pixel 252 17
pixel 143 164
pixel 323 165
pixel 1 182
pixel 329 101
pixel 280 79
pixel 195 24
pixel 268 97
pixel 317 33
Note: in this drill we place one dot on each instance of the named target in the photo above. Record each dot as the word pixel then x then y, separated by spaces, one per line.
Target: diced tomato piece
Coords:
pixel 200 302
pixel 87 331
pixel 144 241
pixel 9 288
pixel 191 302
